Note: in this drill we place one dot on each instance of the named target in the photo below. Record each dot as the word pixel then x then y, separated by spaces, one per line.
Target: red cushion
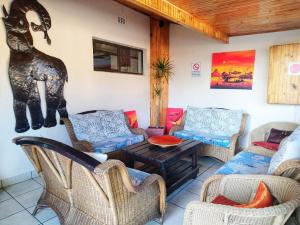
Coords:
pixel 267 145
pixel 262 199
pixel 222 200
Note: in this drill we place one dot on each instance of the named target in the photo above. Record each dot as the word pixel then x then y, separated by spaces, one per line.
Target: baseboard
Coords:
pixel 17 179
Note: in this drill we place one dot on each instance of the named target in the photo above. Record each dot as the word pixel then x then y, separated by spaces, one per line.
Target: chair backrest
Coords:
pixel 261 133
pixel 53 160
pixel 216 121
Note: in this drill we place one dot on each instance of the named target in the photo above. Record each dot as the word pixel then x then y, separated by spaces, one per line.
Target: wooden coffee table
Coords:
pixel 171 163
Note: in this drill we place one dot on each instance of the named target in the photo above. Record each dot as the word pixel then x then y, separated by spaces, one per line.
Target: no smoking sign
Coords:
pixel 196 69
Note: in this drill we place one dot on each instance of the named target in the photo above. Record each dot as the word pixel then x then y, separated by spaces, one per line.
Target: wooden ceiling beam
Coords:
pixel 171 12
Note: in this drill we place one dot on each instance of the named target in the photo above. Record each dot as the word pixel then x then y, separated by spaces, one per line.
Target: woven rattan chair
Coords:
pixel 241 188
pixel 86 146
pixel 82 191
pixel 261 133
pixel 223 154
pixel 288 168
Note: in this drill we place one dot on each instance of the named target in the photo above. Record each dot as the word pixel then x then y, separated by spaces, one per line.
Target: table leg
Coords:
pixel 194 161
pixel 163 172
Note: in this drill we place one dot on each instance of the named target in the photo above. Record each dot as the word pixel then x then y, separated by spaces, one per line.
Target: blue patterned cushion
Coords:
pixel 94 127
pixel 246 163
pixel 137 176
pixel 283 150
pixel 113 144
pixel 220 122
pixel 220 141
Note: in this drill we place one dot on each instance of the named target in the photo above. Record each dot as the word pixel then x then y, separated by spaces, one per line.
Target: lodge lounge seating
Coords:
pixel 218 129
pixel 102 131
pixel 81 190
pixel 241 189
pixel 257 160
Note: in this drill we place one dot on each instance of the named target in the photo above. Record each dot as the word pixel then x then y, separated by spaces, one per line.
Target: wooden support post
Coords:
pixel 159 47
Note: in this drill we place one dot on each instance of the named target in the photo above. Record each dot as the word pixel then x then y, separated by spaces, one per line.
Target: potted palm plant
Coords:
pixel 162 71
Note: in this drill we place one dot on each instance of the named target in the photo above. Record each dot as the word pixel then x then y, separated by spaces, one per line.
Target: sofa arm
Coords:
pixel 289 168
pixel 234 145
pixel 175 128
pixel 139 131
pixel 260 150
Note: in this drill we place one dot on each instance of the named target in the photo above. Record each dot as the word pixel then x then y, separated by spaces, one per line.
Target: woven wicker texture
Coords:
pixel 103 196
pixel 220 153
pixel 241 188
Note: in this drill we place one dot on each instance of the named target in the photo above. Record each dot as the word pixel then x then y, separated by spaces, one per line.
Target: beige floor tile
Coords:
pixel 195 187
pixel 9 207
pixel 23 187
pixel 183 198
pixel 29 199
pixel 208 173
pixel 4 196
pixel 20 218
pixel 53 221
pixel 44 214
pixel 174 215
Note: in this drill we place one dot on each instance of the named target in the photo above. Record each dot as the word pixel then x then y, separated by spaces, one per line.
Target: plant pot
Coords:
pixel 155 131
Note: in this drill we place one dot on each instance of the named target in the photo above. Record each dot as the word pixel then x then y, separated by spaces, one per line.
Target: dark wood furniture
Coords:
pixel 172 163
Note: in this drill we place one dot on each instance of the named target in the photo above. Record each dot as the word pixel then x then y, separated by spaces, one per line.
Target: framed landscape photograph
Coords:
pixel 232 70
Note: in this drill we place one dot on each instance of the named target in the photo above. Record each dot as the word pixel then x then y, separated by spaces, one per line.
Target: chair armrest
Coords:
pixel 176 128
pixel 139 131
pixel 198 213
pixel 234 144
pixel 289 168
pixel 140 191
pixel 210 188
pixel 260 150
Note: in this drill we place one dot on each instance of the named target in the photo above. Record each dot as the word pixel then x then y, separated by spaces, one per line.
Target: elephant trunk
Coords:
pixel 23 6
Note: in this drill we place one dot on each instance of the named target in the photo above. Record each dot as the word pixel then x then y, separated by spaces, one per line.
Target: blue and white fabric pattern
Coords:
pixel 137 176
pixel 220 122
pixel 116 143
pixel 94 127
pixel 285 151
pixel 246 163
pixel 209 139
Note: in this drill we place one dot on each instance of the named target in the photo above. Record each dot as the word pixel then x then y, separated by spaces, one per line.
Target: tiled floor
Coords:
pixel 17 202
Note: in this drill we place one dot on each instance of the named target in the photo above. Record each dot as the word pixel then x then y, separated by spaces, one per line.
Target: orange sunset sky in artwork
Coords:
pixel 232 70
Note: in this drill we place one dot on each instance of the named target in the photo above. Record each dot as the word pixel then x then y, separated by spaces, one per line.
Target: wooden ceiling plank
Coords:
pixel 173 13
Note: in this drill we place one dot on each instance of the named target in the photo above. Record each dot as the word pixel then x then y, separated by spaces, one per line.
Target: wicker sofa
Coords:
pixel 241 188
pixel 81 190
pixel 112 145
pixel 218 130
pixel 256 159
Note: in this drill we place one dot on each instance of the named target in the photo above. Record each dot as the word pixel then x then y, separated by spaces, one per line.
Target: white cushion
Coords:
pixel 98 156
pixel 289 149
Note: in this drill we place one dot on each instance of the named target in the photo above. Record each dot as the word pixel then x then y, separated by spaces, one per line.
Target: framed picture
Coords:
pixel 232 70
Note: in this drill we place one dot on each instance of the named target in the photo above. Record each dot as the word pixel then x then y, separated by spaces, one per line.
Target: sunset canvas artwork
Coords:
pixel 232 70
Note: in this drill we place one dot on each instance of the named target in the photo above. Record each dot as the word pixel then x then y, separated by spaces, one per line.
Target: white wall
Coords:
pixel 188 46
pixel 74 23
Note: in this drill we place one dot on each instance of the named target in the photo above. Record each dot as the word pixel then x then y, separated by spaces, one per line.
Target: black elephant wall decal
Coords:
pixel 27 65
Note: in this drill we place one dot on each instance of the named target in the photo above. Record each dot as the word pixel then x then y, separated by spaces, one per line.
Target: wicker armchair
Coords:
pixel 240 188
pixel 86 146
pixel 262 133
pixel 220 153
pixel 83 191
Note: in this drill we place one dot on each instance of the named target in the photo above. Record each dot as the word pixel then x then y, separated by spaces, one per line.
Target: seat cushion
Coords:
pixel 137 176
pixel 219 122
pixel 220 141
pixel 246 163
pixel 116 143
